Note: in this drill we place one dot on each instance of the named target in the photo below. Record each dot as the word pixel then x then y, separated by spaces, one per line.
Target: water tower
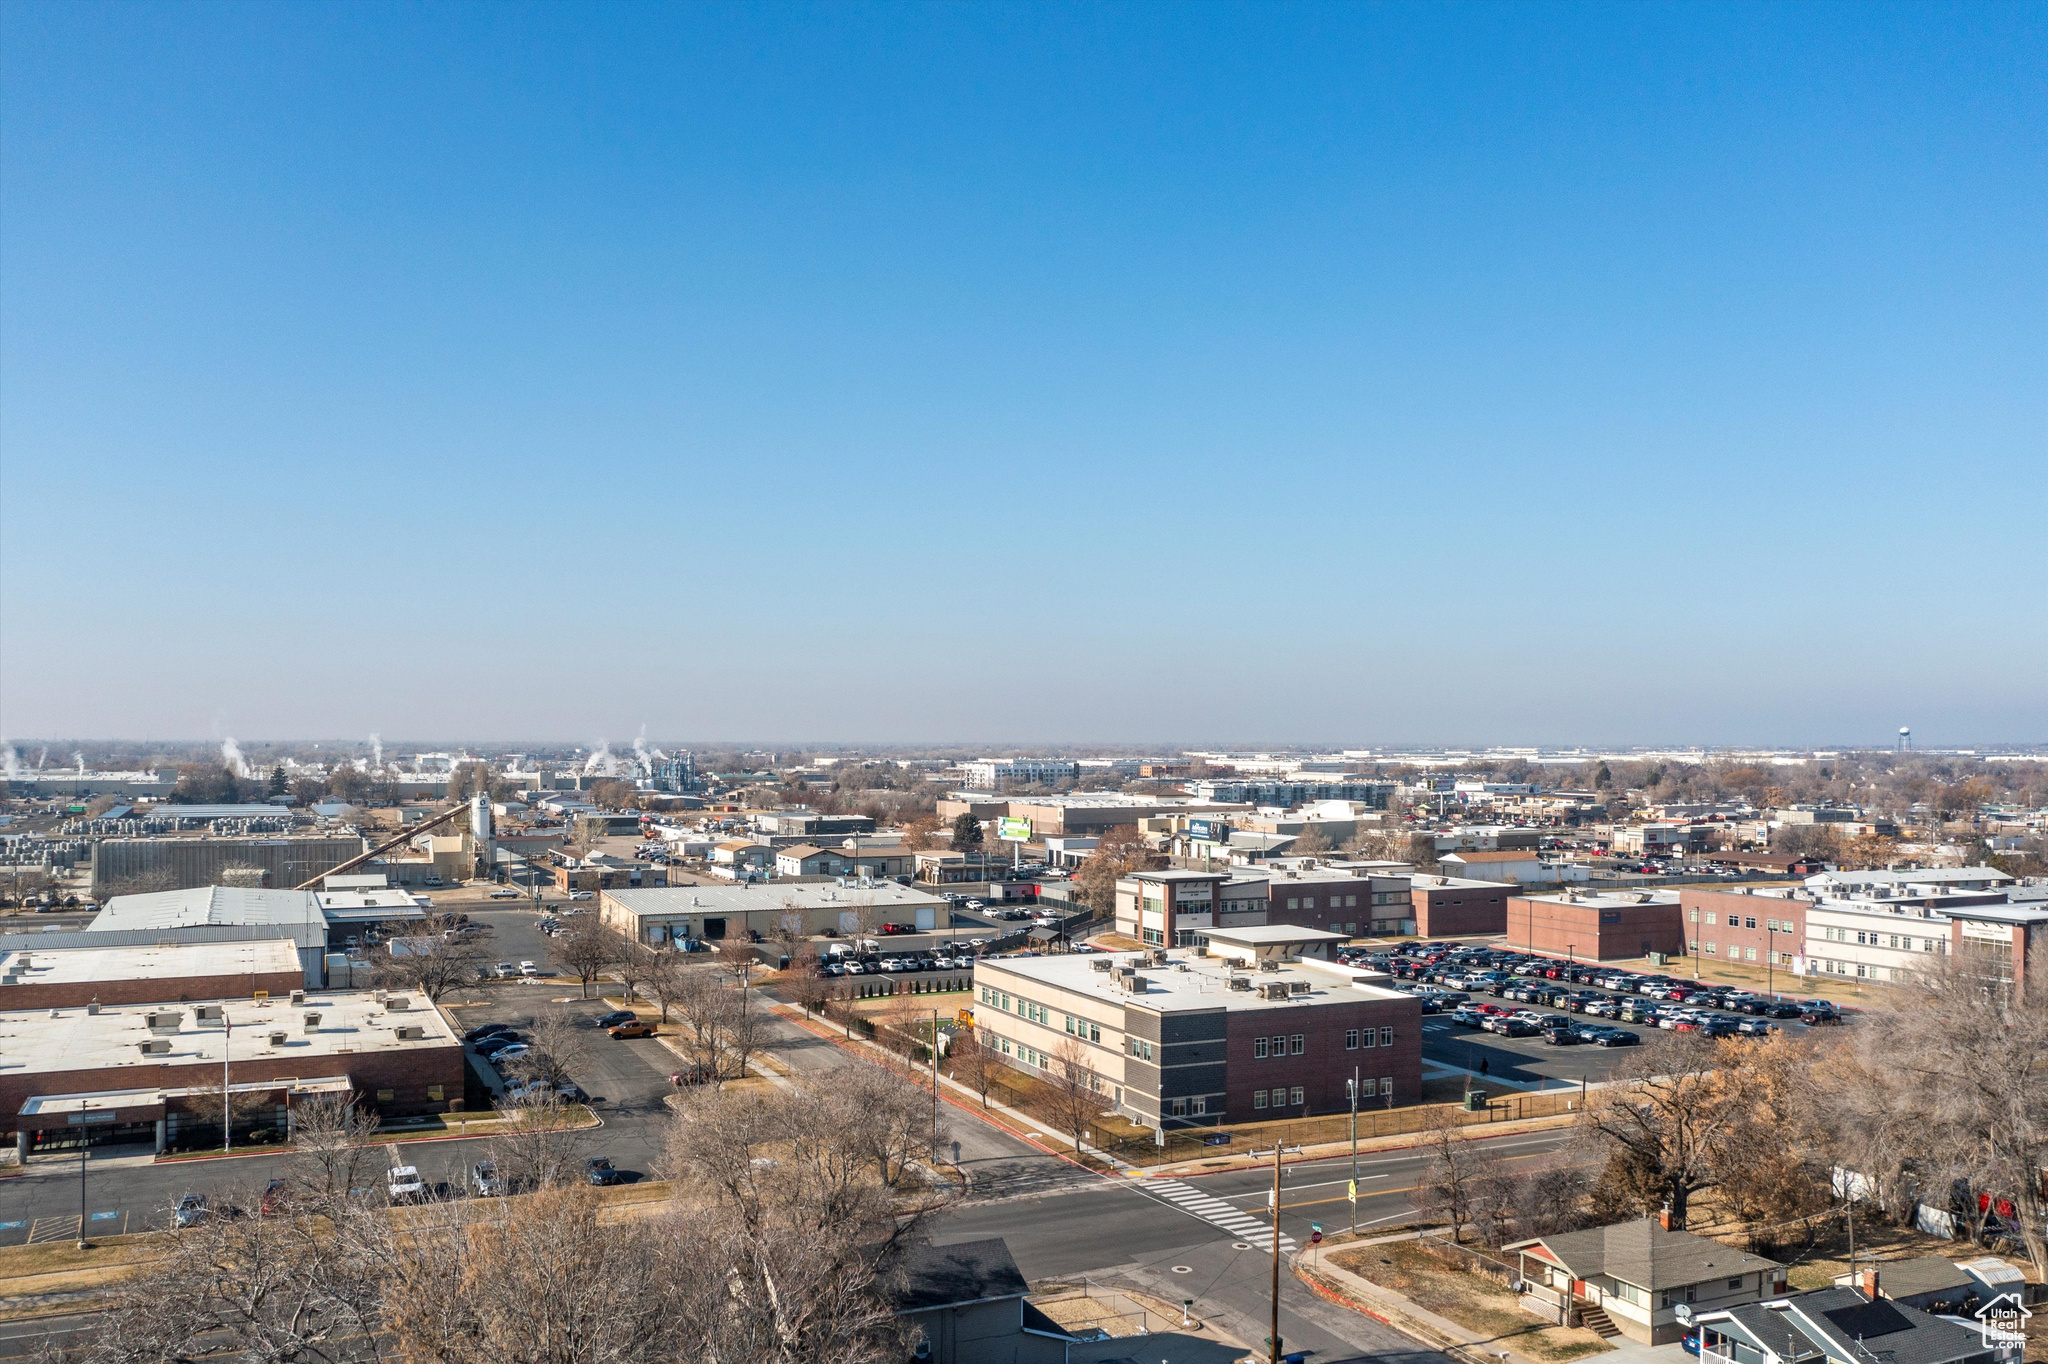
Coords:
pixel 1905 738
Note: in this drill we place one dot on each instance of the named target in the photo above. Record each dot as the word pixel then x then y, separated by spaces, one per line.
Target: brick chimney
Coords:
pixel 1664 1219
pixel 1866 1279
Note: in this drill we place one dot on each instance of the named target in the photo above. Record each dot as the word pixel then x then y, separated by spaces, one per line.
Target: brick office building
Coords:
pixel 129 1071
pixel 72 977
pixel 1252 1026
pixel 1597 927
pixel 1761 925
pixel 1458 906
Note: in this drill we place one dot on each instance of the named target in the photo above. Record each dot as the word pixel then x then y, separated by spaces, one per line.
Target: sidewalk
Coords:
pixel 1330 1150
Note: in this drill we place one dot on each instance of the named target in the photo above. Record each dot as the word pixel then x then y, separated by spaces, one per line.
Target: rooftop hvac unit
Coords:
pixel 278 1036
pixel 298 996
pixel 1201 949
pixel 1274 989
pixel 1269 966
pixel 93 1007
pixel 409 1032
pixel 1157 956
pixel 1180 966
pixel 1299 987
pixel 1240 982
pixel 169 1021
pixel 312 1022
pixel 398 1004
pixel 378 995
pixel 1102 963
pixel 208 1013
pixel 156 1046
pixel 1135 983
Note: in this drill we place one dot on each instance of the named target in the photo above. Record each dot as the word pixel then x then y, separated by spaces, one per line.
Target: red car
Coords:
pixel 633 1029
pixel 891 929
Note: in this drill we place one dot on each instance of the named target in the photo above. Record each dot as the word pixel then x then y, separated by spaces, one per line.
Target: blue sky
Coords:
pixel 1010 372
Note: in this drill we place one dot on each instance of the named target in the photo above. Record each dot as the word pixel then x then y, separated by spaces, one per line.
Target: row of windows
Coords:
pixel 1038 1013
pixel 1294 1096
pixel 1140 1048
pixel 1083 1029
pixel 1902 941
pixel 1181 1108
pixel 1843 968
pixel 1336 902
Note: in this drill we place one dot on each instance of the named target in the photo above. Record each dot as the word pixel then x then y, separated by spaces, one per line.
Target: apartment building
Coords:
pixel 1254 1025
pixel 990 773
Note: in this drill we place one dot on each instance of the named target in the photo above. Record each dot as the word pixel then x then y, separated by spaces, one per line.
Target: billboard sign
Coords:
pixel 1012 829
pixel 1208 830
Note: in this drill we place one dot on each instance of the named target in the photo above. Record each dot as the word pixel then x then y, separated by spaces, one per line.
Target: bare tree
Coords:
pixel 538 1145
pixel 332 1151
pixel 442 956
pixel 1667 1113
pixel 1449 1186
pixel 976 1062
pixel 662 971
pixel 558 1049
pixel 586 952
pixel 1073 1089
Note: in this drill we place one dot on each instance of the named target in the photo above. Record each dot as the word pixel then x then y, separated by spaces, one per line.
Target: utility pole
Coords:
pixel 84 1141
pixel 227 1106
pixel 1771 957
pixel 1352 1192
pixel 935 1086
pixel 1273 1340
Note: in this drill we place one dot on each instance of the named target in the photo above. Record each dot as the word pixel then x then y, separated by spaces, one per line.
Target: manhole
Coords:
pixel 1183 1269
pixel 1240 1245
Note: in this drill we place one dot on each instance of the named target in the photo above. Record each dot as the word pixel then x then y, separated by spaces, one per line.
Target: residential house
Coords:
pixel 1640 1278
pixel 967 1304
pixel 1838 1326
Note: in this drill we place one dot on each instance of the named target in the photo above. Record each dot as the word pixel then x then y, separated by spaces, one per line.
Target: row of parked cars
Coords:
pixel 875 964
pixel 1553 1028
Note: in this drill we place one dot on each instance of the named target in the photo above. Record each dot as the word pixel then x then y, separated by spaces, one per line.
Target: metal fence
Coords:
pixel 1192 1142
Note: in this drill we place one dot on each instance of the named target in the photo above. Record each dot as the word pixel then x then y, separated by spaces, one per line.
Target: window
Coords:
pixel 1387 1087
pixel 1294 903
pixel 1298 1044
pixel 1094 1032
pixel 1279 1046
pixel 1201 1104
pixel 1710 947
pixel 1628 1292
pixel 1749 954
pixel 1748 922
pixel 1178 1108
pixel 1006 1046
pixel 1258 1098
pixel 1694 916
pixel 1368 1037
pixel 1258 1049
pixel 1351 902
pixel 1308 902
pixel 1297 1097
pixel 1733 1283
pixel 1070 1024
pixel 1386 1037
pixel 1351 1039
pixel 1710 916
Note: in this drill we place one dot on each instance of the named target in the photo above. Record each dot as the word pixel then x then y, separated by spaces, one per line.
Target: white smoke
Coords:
pixel 601 763
pixel 11 761
pixel 377 752
pixel 231 757
pixel 42 756
pixel 644 756
pixel 79 758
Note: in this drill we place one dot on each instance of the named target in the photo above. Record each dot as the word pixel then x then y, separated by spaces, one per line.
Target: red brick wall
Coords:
pixel 1316 909
pixel 155 990
pixel 1732 933
pixel 406 1073
pixel 1587 931
pixel 1324 1065
pixel 1448 912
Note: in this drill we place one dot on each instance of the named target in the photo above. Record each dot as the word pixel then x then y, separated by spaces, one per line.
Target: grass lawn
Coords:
pixel 1475 1303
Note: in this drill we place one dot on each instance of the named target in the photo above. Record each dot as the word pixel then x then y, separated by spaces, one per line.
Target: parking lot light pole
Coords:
pixel 84 1141
pixel 1771 957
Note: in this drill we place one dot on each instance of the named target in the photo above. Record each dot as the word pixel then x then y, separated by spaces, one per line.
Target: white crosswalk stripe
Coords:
pixel 1217 1213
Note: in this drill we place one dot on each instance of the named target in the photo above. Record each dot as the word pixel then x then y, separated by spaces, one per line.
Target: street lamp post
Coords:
pixel 227 1106
pixel 1351 1089
pixel 84 1141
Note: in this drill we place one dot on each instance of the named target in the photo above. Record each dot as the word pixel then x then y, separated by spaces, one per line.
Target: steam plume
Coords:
pixel 231 757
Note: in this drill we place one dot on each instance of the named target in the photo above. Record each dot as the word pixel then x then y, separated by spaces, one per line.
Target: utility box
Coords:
pixel 1475 1100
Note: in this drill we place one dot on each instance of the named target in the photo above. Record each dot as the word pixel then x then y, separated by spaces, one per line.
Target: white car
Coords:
pixel 582 895
pixel 504 893
pixel 527 968
pixel 404 1184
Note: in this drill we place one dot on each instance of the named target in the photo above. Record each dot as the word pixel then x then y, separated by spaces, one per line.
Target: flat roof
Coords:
pixel 1203 985
pixel 219 812
pixel 1269 935
pixel 167 961
pixel 73 1039
pixel 1622 899
pixel 678 901
pixel 205 905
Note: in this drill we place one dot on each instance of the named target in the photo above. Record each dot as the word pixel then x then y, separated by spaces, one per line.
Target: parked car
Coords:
pixel 501 1055
pixel 1618 1037
pixel 505 970
pixel 616 1017
pixel 633 1029
pixel 483 1030
pixel 600 1171
pixel 404 1185
pixel 582 895
pixel 485 1180
pixel 1563 1037
pixel 504 893
pixel 190 1211
pixel 1516 1027
pixel 1468 1018
pixel 496 1043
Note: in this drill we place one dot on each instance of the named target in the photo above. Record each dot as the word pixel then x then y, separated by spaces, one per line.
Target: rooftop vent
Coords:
pixel 298 996
pixel 398 1003
pixel 1136 983
pixel 156 1046
pixel 93 1007
pixel 409 1032
pixel 1299 987
pixel 1102 963
pixel 208 1013
pixel 1240 982
pixel 168 1021
pixel 278 1036
pixel 312 1022
pixel 1274 989
pixel 1201 949
pixel 1269 966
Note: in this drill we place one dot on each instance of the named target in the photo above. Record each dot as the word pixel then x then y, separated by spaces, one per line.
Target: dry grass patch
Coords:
pixel 1475 1303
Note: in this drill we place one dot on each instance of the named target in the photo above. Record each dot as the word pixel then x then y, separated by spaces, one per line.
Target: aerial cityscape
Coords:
pixel 682 683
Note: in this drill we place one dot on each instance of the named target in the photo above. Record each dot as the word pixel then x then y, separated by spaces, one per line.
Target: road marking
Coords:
pixel 105 1216
pixel 1217 1213
pixel 12 1226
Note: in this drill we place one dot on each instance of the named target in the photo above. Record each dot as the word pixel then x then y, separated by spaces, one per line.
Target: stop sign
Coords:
pixel 1315 1238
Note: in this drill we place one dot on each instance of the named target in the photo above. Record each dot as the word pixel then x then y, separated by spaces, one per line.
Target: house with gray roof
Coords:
pixel 1838 1326
pixel 1639 1279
